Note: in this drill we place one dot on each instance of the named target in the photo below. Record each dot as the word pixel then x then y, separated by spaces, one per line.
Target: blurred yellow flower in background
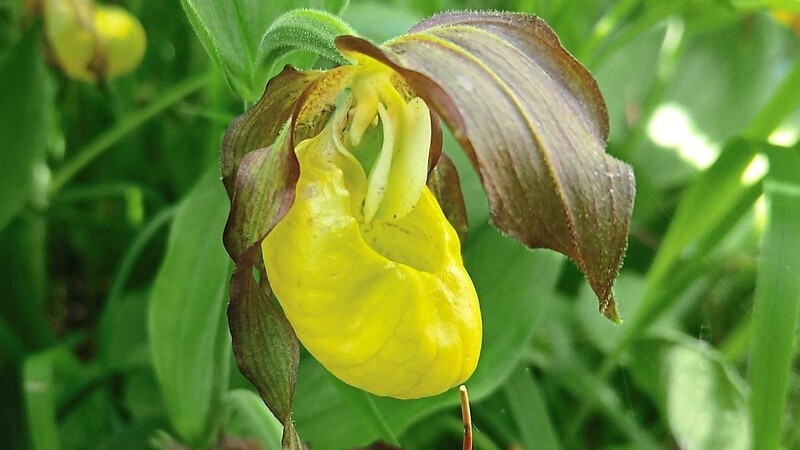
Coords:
pixel 93 42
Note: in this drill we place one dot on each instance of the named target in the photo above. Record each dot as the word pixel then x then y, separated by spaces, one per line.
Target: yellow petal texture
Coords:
pixel 386 306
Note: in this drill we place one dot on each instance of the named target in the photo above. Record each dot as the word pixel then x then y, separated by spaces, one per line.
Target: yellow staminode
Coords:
pixel 397 179
pixel 377 292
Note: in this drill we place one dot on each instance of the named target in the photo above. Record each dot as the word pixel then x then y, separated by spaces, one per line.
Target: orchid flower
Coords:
pixel 93 42
pixel 343 200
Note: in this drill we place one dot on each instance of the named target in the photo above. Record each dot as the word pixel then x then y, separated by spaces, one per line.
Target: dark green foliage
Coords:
pixel 113 332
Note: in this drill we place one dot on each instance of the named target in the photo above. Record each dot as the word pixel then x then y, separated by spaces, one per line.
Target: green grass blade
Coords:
pixel 40 401
pixel 135 250
pixel 189 339
pixel 708 203
pixel 250 417
pixel 529 410
pixel 582 382
pixel 782 102
pixel 777 299
pixel 130 123
pixel 363 404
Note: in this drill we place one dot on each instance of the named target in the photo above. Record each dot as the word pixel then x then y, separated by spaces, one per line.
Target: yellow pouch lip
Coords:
pixel 378 324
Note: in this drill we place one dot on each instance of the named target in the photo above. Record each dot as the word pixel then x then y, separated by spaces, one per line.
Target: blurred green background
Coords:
pixel 114 278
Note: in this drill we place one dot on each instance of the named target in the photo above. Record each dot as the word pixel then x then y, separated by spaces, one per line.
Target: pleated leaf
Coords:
pixel 535 125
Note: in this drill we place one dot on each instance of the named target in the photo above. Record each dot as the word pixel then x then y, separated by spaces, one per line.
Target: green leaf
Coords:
pixel 65 408
pixel 700 395
pixel 529 409
pixel 89 419
pixel 250 418
pixel 11 16
pixel 131 122
pixel 142 396
pixel 27 95
pixel 777 299
pixel 40 400
pixel 535 126
pixel 10 344
pixel 23 275
pixel 303 29
pixel 604 335
pixel 514 286
pixel 378 22
pixel 586 383
pixel 121 348
pixel 705 401
pixel 781 103
pixel 188 331
pixel 232 33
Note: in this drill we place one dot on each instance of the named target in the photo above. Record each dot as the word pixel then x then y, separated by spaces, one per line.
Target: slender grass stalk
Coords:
pixel 777 300
pixel 634 29
pixel 605 26
pixel 579 380
pixel 783 101
pixel 136 249
pixel 97 147
pixel 378 419
pixel 23 276
pixel 40 401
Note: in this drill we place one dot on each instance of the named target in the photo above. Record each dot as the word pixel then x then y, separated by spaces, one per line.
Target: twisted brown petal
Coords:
pixel 534 124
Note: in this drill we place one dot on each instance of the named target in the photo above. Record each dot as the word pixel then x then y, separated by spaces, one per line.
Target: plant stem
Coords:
pixel 379 420
pixel 605 26
pixel 782 102
pixel 111 136
pixel 364 405
pixel 777 301
pixel 136 248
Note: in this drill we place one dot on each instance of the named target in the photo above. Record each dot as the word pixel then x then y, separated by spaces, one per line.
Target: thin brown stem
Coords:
pixel 466 417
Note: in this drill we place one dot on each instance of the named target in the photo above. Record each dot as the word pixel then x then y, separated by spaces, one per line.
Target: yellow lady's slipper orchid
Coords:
pixel 361 255
pixel 367 269
pixel 92 42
